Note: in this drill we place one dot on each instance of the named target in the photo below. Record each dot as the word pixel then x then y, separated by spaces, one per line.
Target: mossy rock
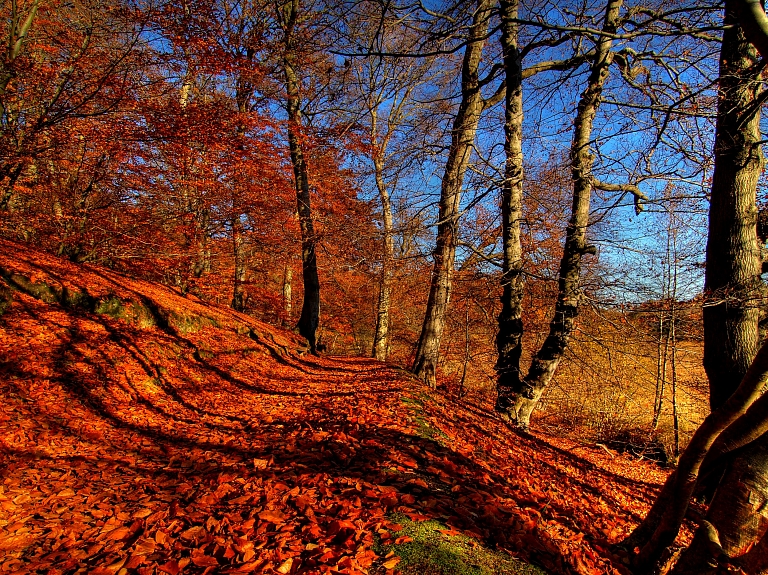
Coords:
pixel 428 550
pixel 111 306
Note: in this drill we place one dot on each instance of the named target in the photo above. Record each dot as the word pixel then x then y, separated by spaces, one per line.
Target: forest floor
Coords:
pixel 146 432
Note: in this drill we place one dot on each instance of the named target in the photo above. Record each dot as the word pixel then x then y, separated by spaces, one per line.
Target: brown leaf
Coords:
pixel 119 533
pixel 193 532
pixel 272 516
pixel 170 567
pixel 204 561
pixel 260 463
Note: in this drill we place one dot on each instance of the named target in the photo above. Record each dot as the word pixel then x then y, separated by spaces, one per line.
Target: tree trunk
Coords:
pixel 381 336
pixel 567 306
pixel 310 309
pixel 462 143
pixel 737 520
pixel 509 339
pixel 238 250
pixel 662 524
pixel 288 292
pixel 733 285
pixel 732 278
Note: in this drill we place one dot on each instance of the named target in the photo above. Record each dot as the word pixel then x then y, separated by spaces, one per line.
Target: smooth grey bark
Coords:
pixel 310 309
pixel 509 338
pixel 381 334
pixel 561 326
pixel 462 142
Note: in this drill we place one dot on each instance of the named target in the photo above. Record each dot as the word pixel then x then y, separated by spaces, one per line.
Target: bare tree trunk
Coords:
pixel 732 282
pixel 732 277
pixel 662 524
pixel 509 339
pixel 737 525
pixel 288 292
pixel 661 370
pixel 238 250
pixel 381 336
pixel 310 309
pixel 462 143
pixel 567 306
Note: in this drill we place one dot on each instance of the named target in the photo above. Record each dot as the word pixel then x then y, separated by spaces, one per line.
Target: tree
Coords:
pixel 290 15
pixel 81 64
pixel 735 424
pixel 462 141
pixel 518 397
pixel 387 94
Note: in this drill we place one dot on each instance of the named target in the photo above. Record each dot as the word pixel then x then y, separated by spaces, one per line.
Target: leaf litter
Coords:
pixel 219 446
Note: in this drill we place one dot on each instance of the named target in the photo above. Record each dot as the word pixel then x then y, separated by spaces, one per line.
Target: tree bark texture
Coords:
pixel 238 250
pixel 732 278
pixel 731 336
pixel 462 143
pixel 567 305
pixel 310 309
pixel 381 335
pixel 510 335
pixel 736 531
pixel 288 291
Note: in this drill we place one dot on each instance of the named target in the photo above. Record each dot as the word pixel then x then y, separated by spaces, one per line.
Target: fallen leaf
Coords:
pixel 286 566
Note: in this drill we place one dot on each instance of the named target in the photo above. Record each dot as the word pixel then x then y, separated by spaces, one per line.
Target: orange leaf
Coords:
pixel 286 566
pixel 204 561
pixel 272 516
pixel 119 533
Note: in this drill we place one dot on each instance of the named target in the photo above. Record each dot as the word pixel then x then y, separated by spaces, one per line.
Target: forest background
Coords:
pixel 152 138
pixel 462 189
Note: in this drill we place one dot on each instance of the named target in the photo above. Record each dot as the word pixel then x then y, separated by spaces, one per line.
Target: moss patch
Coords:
pixel 425 549
pixel 423 427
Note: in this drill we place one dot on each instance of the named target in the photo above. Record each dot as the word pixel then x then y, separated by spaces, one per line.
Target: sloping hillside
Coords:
pixel 146 432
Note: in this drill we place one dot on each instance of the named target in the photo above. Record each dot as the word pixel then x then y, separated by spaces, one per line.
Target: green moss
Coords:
pixel 434 553
pixel 111 306
pixel 185 324
pixel 423 428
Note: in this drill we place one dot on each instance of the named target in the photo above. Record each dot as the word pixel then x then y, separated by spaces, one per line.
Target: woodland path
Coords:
pixel 204 441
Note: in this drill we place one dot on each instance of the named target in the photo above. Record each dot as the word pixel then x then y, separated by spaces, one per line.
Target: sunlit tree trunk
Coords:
pixel 238 249
pixel 288 292
pixel 732 283
pixel 462 142
pixel 509 338
pixel 567 305
pixel 381 336
pixel 737 525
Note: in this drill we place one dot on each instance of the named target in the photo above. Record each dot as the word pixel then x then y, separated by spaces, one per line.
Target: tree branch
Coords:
pixel 640 197
pixel 754 23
